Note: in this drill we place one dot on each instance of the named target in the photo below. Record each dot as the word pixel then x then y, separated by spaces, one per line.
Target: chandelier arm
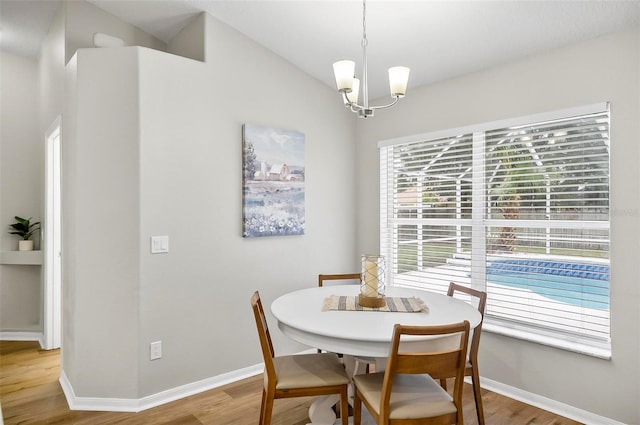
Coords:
pixel 349 104
pixel 389 105
pixel 355 107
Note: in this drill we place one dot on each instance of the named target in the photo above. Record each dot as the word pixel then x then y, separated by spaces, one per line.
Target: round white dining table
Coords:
pixel 362 333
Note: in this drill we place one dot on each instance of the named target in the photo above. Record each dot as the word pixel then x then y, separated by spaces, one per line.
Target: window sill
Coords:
pixel 559 340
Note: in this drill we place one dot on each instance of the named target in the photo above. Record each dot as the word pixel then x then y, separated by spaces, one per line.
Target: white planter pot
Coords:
pixel 25 245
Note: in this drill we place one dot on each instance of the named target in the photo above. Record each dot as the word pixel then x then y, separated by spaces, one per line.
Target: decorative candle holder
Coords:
pixel 372 287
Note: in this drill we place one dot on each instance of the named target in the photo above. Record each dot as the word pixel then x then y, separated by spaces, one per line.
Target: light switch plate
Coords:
pixel 159 244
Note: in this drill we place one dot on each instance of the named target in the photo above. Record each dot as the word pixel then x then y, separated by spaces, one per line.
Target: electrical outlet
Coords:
pixel 155 350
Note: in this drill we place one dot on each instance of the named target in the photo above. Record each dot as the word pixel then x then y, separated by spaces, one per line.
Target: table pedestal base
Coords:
pixel 321 410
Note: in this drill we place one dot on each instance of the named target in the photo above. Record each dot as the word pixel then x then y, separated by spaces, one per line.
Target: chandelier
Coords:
pixel 349 85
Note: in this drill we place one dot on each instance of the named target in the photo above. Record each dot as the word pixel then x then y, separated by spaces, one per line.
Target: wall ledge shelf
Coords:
pixel 25 258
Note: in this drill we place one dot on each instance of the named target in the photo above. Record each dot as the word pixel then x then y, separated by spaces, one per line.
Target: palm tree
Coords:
pixel 517 177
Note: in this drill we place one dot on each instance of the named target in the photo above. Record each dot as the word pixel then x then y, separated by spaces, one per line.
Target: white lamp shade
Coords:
pixel 355 89
pixel 398 79
pixel 344 71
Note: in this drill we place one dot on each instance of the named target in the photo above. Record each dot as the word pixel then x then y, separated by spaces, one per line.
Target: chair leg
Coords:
pixel 357 408
pixel 267 407
pixel 344 405
pixel 443 384
pixel 262 406
pixel 477 394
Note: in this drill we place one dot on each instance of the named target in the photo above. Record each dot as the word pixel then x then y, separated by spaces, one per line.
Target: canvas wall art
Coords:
pixel 273 182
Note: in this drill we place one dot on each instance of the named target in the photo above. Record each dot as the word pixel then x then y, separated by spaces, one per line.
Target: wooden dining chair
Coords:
pixel 407 391
pixel 471 368
pixel 356 279
pixel 340 276
pixel 297 375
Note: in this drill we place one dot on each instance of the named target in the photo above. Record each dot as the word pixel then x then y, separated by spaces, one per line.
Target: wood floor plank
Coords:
pixel 19 346
pixel 30 394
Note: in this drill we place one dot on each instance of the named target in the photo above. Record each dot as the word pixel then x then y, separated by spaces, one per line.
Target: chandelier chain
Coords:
pixel 364 24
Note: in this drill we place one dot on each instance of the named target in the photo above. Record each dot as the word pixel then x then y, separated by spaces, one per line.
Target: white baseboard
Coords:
pixel 22 336
pixel 137 405
pixel 545 403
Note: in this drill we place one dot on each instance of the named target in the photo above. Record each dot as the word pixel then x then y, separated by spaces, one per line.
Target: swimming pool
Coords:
pixel 585 285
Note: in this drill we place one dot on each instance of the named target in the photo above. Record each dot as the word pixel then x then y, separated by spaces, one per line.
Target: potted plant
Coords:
pixel 25 229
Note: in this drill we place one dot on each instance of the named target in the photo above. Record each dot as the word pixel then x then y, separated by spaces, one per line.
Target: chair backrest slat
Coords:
pixel 439 364
pixel 342 276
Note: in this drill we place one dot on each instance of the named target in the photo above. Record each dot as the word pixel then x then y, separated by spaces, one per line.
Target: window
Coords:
pixel 518 208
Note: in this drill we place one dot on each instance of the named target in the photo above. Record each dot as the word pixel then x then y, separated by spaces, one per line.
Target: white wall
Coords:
pixel 181 176
pixel 101 224
pixel 51 70
pixel 190 41
pixel 604 69
pixel 32 98
pixel 21 174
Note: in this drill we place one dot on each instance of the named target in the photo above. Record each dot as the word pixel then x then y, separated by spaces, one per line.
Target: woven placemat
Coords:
pixel 394 304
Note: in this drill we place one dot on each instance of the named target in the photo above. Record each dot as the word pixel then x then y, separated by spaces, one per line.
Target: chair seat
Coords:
pixel 309 370
pixel 413 396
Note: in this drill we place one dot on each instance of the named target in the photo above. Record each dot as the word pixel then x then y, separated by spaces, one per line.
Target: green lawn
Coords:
pixel 437 253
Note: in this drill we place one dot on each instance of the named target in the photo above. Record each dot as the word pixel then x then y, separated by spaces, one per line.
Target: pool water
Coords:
pixel 579 284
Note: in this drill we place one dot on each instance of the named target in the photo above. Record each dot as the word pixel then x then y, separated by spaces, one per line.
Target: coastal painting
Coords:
pixel 273 182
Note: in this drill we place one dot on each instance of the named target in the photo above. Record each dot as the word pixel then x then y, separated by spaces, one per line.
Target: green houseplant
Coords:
pixel 25 229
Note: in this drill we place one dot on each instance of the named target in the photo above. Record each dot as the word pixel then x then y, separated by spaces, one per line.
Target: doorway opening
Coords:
pixel 52 238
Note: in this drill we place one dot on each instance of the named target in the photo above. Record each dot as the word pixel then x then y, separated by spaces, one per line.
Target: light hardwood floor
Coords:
pixel 30 394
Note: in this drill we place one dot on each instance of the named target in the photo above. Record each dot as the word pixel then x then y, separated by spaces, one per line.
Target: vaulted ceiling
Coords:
pixel 438 40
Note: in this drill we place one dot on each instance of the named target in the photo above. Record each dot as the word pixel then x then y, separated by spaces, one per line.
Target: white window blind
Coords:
pixel 429 211
pixel 519 209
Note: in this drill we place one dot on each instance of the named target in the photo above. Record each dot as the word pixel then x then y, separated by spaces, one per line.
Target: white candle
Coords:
pixel 370 279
